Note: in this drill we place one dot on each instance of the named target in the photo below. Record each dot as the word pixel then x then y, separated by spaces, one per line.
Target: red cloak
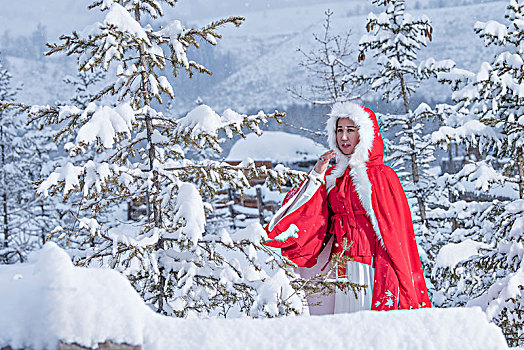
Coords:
pixel 399 280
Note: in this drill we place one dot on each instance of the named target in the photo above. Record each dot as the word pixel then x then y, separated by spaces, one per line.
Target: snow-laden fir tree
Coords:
pixel 17 171
pixel 491 275
pixel 394 40
pixel 174 264
pixel 54 215
pixel 460 201
pixel 8 132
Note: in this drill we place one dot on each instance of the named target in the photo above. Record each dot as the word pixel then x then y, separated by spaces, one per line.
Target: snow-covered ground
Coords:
pixel 48 299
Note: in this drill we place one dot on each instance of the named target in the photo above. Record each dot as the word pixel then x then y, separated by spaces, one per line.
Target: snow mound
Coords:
pixel 49 299
pixel 276 146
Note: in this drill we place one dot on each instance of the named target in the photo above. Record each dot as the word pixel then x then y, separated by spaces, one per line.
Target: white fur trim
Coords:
pixel 366 134
pixel 357 160
pixel 303 195
pixel 360 178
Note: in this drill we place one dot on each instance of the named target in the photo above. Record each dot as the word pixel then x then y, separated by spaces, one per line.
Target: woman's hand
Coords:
pixel 323 161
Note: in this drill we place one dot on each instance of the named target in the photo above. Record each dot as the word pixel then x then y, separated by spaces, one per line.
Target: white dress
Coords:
pixel 341 301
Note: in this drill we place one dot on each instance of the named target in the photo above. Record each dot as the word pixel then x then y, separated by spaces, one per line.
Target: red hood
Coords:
pixel 369 150
pixel 376 154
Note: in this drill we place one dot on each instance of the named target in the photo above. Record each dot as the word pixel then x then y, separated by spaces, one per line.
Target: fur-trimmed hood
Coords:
pixel 369 151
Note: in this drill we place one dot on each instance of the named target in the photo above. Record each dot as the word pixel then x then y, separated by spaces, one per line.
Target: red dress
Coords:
pixel 363 202
pixel 357 228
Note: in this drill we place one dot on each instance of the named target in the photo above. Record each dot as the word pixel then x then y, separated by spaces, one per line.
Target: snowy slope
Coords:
pixel 264 47
pixel 49 299
pixel 264 75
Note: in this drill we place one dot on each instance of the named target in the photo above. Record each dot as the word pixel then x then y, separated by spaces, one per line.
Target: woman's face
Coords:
pixel 347 136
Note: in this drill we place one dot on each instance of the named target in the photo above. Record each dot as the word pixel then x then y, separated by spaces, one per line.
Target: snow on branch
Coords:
pixel 499 296
pixel 431 67
pixel 481 174
pixel 470 130
pixel 93 176
pixel 179 39
pixel 200 126
pixel 456 77
pixel 68 174
pixel 105 123
pixel 492 32
pixel 120 36
pixel 120 18
pixel 453 253
pixel 189 215
pixel 96 123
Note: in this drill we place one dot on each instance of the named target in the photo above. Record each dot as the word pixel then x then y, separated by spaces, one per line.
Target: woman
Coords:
pixel 359 201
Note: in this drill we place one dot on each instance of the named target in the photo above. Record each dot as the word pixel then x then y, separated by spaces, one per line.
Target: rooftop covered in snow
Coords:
pixel 277 146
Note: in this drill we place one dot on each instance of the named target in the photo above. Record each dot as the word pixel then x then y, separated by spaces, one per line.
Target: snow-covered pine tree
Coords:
pixel 491 274
pixel 52 214
pixel 7 133
pixel 174 264
pixel 395 39
pixel 41 215
pixel 17 173
pixel 460 202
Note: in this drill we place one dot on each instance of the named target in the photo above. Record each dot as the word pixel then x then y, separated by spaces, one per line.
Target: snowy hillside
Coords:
pixel 267 47
pixel 263 61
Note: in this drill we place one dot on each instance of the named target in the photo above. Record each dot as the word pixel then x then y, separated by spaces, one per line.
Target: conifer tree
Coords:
pixel 395 39
pixel 52 214
pixel 17 173
pixel 7 134
pixel 331 67
pixel 491 105
pixel 176 265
